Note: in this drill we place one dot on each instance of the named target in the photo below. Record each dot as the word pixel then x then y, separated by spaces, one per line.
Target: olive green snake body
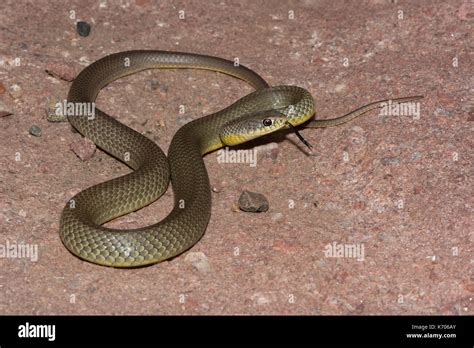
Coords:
pixel 80 226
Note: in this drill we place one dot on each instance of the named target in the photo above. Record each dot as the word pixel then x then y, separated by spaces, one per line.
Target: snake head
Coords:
pixel 252 126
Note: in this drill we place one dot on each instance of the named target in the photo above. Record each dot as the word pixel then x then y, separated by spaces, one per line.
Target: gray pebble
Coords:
pixel 83 28
pixel 35 130
pixel 253 202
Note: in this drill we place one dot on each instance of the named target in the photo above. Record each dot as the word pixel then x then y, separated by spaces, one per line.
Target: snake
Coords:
pixel 264 111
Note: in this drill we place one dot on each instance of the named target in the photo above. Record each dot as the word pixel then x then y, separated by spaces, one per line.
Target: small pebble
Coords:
pixel 61 71
pixel 53 112
pixel 15 91
pixel 253 202
pixel 4 110
pixel 83 148
pixel 35 131
pixel 83 28
pixel 199 261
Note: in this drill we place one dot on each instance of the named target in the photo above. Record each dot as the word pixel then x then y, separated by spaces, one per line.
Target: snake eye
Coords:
pixel 267 122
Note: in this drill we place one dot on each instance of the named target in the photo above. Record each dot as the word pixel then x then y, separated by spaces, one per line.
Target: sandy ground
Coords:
pixel 398 188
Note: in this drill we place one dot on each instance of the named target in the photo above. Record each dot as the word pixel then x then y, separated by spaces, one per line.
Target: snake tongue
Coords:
pixel 300 137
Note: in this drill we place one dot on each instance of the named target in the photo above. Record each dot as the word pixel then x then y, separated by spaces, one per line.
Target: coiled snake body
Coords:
pixel 261 112
pixel 80 227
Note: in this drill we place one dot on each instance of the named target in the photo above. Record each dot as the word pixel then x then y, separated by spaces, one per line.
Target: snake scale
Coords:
pixel 266 110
